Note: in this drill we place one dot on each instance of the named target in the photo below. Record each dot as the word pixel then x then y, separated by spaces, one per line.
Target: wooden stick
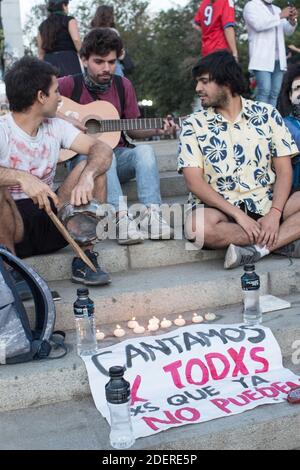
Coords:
pixel 72 242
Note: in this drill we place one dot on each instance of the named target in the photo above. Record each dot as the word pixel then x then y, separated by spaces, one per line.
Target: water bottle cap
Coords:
pixel 116 371
pixel 83 291
pixel 117 390
pixel 249 267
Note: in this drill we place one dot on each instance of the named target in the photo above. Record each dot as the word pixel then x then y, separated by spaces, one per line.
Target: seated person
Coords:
pixel 30 140
pixel 235 155
pixel 99 53
pixel 289 107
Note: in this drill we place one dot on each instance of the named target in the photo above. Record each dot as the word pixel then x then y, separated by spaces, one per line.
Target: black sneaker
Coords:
pixel 82 274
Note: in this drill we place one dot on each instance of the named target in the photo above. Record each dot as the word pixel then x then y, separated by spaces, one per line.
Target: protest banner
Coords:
pixel 194 374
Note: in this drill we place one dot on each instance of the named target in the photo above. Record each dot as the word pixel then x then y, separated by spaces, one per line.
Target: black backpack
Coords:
pixel 18 341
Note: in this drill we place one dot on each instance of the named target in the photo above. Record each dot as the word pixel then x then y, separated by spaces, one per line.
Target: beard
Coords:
pixel 219 100
pixel 99 79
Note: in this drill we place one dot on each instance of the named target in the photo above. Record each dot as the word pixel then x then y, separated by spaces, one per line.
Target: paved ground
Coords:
pixel 78 425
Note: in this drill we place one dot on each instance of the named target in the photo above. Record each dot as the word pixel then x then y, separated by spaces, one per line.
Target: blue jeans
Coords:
pixel 127 163
pixel 268 84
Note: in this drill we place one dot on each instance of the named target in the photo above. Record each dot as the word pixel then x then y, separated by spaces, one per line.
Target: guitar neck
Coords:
pixel 114 125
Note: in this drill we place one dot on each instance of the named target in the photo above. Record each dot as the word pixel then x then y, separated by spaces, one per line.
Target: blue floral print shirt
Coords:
pixel 236 157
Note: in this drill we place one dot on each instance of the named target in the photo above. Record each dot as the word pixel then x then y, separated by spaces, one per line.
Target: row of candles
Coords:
pixel 154 324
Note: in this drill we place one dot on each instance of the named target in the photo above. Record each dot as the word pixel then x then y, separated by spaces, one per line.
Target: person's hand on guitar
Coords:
pixel 72 118
pixel 170 127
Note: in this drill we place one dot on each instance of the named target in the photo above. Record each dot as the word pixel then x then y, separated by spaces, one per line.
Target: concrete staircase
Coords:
pixel 160 278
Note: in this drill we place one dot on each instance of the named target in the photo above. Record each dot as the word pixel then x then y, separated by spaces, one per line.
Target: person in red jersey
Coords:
pixel 215 19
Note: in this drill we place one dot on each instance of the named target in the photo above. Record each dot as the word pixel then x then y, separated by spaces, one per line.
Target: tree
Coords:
pixel 164 72
pixel 164 47
pixel 37 14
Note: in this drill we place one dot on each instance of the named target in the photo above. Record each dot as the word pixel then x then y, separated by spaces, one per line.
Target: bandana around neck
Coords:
pixel 95 87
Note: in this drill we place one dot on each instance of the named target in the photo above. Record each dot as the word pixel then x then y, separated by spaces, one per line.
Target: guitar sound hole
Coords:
pixel 93 126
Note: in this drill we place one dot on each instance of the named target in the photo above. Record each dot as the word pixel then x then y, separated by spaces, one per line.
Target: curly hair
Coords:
pixel 284 102
pixel 223 69
pixel 101 41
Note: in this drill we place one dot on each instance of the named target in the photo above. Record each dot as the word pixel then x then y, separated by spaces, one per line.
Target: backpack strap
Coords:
pixel 57 341
pixel 17 301
pixel 121 92
pixel 22 315
pixel 78 86
pixel 44 305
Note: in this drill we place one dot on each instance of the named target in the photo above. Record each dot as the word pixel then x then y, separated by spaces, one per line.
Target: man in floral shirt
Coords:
pixel 235 155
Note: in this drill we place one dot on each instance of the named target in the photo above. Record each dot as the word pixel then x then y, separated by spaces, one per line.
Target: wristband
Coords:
pixel 276 208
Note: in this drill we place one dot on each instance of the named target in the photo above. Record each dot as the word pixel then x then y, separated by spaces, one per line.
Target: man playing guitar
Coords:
pixel 100 51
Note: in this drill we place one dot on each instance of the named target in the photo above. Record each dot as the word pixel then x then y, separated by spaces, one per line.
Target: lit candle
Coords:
pixel 165 323
pixel 100 335
pixel 139 329
pixel 197 318
pixel 119 332
pixel 153 326
pixel 179 321
pixel 132 323
pixel 210 316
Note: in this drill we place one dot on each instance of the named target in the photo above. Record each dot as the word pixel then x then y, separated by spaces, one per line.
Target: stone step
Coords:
pixel 272 427
pixel 170 290
pixel 171 184
pixel 163 147
pixel 115 258
pixel 44 382
pixel 82 427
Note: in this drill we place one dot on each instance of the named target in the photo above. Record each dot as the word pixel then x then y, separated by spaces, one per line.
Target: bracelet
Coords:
pixel 276 208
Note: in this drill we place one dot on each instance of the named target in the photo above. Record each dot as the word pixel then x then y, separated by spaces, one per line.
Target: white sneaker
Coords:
pixel 154 226
pixel 127 231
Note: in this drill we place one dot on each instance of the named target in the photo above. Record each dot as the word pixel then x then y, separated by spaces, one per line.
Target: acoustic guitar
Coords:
pixel 102 120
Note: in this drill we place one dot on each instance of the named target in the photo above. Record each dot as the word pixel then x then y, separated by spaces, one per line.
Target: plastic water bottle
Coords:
pixel 85 323
pixel 251 290
pixel 117 392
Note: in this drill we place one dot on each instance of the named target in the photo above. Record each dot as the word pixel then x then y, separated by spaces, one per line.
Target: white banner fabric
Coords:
pixel 194 374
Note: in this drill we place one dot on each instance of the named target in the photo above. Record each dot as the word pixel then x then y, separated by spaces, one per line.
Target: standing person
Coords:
pixel 30 140
pixel 267 24
pixel 235 156
pixel 59 40
pixel 100 49
pixel 215 19
pixel 289 107
pixel 105 18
